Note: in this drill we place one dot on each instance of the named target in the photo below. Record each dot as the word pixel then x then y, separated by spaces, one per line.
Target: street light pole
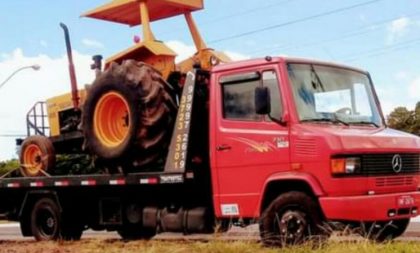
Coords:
pixel 35 67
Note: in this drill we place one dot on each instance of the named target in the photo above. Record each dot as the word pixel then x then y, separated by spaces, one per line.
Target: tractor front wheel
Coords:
pixel 37 156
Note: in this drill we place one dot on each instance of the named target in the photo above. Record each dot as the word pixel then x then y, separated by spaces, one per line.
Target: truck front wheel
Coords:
pixel 383 231
pixel 45 220
pixel 292 218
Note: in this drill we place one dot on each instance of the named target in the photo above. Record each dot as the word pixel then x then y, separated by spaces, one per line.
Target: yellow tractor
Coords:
pixel 124 118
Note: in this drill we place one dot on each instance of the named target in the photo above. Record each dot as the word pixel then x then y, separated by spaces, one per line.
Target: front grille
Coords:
pixel 382 164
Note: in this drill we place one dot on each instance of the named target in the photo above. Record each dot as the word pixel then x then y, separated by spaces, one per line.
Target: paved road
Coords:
pixel 11 231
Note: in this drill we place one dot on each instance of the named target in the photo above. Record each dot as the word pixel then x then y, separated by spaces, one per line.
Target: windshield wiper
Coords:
pixel 364 123
pixel 326 120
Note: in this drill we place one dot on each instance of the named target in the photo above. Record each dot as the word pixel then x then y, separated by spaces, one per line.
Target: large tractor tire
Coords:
pixel 37 156
pixel 128 115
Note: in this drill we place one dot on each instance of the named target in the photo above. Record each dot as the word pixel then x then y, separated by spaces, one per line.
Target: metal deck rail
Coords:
pixel 36 120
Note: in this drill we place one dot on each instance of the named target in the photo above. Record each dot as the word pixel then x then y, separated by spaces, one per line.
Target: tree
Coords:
pixel 6 166
pixel 405 120
pixel 416 125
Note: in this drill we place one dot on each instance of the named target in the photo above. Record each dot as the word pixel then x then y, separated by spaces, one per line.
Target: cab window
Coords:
pixel 238 93
pixel 270 80
pixel 238 96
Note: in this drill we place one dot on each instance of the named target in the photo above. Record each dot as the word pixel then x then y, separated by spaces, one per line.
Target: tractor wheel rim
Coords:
pixel 112 119
pixel 32 159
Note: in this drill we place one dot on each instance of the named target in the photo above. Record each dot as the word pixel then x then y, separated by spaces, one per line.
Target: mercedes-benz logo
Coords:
pixel 397 163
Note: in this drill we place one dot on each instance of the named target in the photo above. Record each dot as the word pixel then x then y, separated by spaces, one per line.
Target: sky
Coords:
pixel 381 36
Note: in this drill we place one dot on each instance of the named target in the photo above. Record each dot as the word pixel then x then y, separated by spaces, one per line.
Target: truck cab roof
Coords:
pixel 280 59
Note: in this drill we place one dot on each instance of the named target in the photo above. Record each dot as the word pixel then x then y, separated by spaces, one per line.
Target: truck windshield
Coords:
pixel 333 95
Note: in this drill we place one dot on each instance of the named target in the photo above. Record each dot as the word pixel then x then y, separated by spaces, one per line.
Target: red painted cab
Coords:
pixel 286 131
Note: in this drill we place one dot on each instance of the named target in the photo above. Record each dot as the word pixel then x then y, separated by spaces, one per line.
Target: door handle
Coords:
pixel 223 147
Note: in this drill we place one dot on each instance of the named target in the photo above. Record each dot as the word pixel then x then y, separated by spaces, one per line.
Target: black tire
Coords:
pixel 290 219
pixel 45 220
pixel 384 231
pixel 223 225
pixel 33 165
pixel 131 232
pixel 71 227
pixel 25 225
pixel 71 234
pixel 150 117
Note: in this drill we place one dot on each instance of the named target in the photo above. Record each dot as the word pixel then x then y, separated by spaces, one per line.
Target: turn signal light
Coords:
pixel 338 166
pixel 349 165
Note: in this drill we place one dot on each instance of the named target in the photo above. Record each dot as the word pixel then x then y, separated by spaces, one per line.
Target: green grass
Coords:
pixel 117 246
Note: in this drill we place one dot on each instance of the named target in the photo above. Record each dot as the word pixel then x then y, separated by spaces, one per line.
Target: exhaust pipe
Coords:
pixel 74 92
pixel 97 64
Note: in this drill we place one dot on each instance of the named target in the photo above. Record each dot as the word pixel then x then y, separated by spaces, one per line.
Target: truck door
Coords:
pixel 248 147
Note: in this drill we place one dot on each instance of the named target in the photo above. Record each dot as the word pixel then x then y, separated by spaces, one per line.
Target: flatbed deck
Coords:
pixel 146 178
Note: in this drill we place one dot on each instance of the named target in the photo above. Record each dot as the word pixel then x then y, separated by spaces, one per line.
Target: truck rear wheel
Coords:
pixel 128 114
pixel 292 218
pixel 37 156
pixel 71 228
pixel 71 233
pixel 45 220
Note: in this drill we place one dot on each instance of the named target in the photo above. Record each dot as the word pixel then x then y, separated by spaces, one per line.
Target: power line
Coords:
pixel 355 33
pixel 237 14
pixel 384 50
pixel 241 13
pixel 379 49
pixel 300 20
pixel 12 135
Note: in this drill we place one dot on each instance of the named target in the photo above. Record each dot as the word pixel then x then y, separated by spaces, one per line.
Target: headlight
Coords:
pixel 344 166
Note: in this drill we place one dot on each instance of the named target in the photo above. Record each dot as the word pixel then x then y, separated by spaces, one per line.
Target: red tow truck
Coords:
pixel 293 144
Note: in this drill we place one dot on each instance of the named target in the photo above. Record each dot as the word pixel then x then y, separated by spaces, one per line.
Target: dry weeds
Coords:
pixel 118 246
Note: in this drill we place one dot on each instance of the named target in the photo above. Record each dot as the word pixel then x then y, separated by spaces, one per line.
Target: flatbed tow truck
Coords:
pixel 293 144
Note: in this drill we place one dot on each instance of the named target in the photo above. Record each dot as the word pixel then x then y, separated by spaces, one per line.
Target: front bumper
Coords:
pixel 371 207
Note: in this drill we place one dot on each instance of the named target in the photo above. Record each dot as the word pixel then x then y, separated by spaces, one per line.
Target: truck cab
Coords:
pixel 286 124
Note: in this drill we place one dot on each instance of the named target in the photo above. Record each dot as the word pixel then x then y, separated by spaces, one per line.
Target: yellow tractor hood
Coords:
pixel 155 47
pixel 128 11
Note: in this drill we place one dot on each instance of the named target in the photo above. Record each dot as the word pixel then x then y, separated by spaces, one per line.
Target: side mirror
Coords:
pixel 262 100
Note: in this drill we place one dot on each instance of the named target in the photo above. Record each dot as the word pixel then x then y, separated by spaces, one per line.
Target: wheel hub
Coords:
pixel 292 225
pixel 32 159
pixel 47 223
pixel 112 119
pixel 50 223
